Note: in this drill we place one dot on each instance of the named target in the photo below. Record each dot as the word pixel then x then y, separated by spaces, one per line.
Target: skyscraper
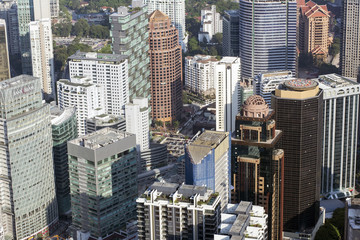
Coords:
pixel 227 85
pixel 107 70
pixel 29 10
pixel 207 163
pixel 314 29
pixel 267 32
pixel 175 9
pixel 4 52
pixel 350 39
pixel 340 129
pixel 178 212
pixel 28 200
pixel 298 107
pixel 231 33
pixel 166 68
pixel 137 122
pixel 63 123
pixel 8 11
pixel 257 165
pixel 42 54
pixel 129 33
pixel 103 183
pixel 88 98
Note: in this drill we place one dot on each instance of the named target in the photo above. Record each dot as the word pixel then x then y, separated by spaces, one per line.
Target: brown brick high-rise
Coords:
pixel 166 68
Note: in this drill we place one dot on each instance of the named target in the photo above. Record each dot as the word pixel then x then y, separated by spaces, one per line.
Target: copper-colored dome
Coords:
pixel 255 106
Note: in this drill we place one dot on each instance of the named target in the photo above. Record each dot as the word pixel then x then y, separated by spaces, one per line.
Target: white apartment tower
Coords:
pixel 137 122
pixel 42 54
pixel 211 23
pixel 199 73
pixel 88 98
pixel 54 8
pixel 175 9
pixel 107 70
pixel 27 187
pixel 227 85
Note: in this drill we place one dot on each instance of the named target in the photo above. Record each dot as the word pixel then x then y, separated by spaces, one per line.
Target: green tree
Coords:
pixel 338 219
pixel 328 231
pixel 106 49
pixel 176 124
pixel 326 68
pixel 217 38
pixel 99 31
pixel 306 60
pixel 213 51
pixel 81 28
pixel 335 47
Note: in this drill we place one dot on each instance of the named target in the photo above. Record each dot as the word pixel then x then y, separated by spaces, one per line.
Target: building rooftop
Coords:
pixel 334 81
pixel 204 143
pixel 300 84
pixel 15 81
pixel 100 138
pixel 97 56
pixel 59 116
pixel 165 188
pixel 229 60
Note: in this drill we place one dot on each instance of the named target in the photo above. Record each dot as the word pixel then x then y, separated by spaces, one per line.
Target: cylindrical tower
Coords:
pixel 166 68
pixel 267 36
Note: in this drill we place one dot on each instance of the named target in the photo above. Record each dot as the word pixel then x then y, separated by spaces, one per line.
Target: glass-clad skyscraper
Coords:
pixel 267 32
pixel 27 189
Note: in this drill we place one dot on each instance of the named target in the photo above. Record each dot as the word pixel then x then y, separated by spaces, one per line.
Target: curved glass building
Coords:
pixel 267 30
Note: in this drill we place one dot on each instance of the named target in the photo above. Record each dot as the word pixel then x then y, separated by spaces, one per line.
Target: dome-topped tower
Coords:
pixel 255 106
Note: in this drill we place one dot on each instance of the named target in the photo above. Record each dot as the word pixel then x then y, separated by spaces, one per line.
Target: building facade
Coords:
pixel 267 32
pixel 298 105
pixel 107 70
pixel 170 211
pixel 166 68
pixel 105 163
pixel 231 33
pixel 129 35
pixel 105 120
pixel 200 74
pixel 340 134
pixel 175 9
pixel 207 160
pixel 87 97
pixel 227 85
pixel 314 22
pixel 350 39
pixel 257 165
pixel 211 23
pixel 54 8
pixel 8 11
pixel 266 83
pixel 137 122
pixel 4 52
pixel 29 205
pixel 42 54
pixel 27 11
pixel 64 128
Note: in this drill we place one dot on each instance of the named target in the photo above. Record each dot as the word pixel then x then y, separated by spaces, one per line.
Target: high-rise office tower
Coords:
pixel 107 70
pixel 257 165
pixel 227 85
pixel 267 31
pixel 8 11
pixel 298 106
pixel 88 98
pixel 170 211
pixel 137 122
pixel 103 183
pixel 29 10
pixel 4 52
pixel 28 201
pixel 129 33
pixel 266 83
pixel 231 33
pixel 340 129
pixel 207 163
pixel 42 54
pixel 166 68
pixel 175 9
pixel 313 29
pixel 63 123
pixel 211 23
pixel 54 8
pixel 199 74
pixel 350 39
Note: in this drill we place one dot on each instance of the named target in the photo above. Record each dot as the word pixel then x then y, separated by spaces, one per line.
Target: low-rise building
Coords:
pixel 105 120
